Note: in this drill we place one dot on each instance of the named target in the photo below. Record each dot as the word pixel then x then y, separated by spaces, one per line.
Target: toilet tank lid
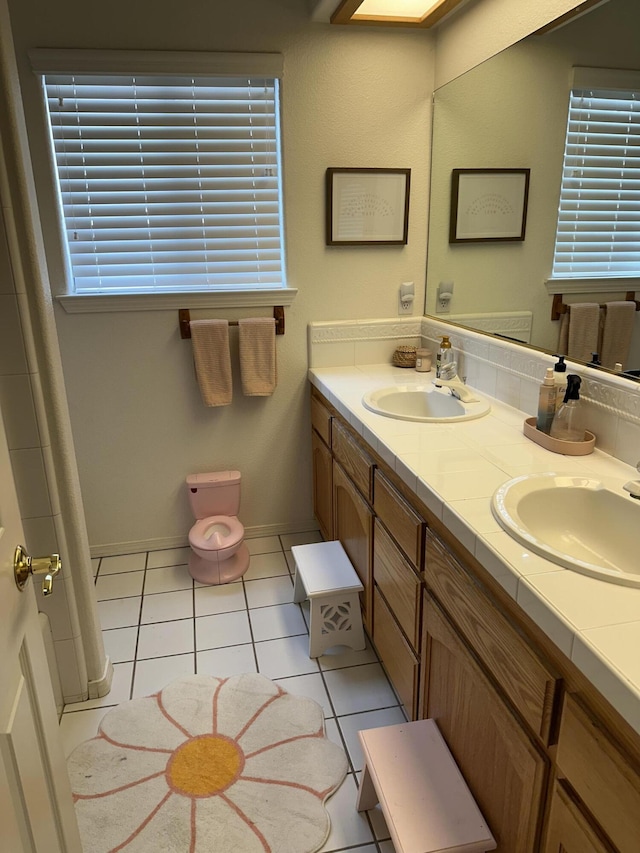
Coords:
pixel 214 478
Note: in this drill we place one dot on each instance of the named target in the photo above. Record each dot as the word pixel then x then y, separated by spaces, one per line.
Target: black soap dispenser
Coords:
pixel 568 424
pixel 560 379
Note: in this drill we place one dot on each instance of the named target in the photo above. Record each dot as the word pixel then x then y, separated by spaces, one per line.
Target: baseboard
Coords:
pixel 101 686
pixel 134 546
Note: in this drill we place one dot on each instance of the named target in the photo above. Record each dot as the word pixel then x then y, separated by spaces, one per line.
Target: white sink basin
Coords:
pixel 574 521
pixel 422 403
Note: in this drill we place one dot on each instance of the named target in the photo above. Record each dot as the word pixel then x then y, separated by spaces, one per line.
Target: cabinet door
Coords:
pixel 322 485
pixel 569 831
pixel 353 526
pixel 504 770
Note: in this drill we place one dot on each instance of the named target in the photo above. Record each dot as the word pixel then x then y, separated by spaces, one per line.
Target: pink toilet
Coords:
pixel 219 553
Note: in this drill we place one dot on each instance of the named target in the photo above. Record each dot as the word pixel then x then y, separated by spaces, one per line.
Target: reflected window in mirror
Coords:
pixel 598 230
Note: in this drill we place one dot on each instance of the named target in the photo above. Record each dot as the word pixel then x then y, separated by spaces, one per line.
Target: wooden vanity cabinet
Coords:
pixel 528 682
pixel 322 466
pixel 504 769
pixel 322 462
pixel 569 831
pixel 353 527
pixel 604 778
pixel 553 767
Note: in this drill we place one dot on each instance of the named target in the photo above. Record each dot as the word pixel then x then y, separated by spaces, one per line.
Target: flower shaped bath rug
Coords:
pixel 208 765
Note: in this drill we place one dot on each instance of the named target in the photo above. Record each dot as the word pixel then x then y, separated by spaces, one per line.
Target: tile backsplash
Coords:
pixel 502 369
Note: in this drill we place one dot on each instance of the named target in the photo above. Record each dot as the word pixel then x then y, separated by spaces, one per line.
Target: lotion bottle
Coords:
pixel 568 423
pixel 546 402
pixel 444 355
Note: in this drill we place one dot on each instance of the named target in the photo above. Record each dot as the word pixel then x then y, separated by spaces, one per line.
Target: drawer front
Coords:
pixel 398 583
pixel 405 525
pixel 599 773
pixel 321 420
pixel 353 459
pixel 395 653
pixel 525 679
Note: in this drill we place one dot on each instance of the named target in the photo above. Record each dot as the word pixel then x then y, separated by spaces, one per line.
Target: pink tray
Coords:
pixel 558 445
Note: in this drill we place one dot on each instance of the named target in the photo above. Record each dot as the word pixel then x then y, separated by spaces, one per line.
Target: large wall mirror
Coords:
pixel 510 112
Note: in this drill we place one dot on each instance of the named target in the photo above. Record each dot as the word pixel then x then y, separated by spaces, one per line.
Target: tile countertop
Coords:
pixel 455 469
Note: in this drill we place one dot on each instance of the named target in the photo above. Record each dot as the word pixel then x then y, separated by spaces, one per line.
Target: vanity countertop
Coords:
pixel 454 468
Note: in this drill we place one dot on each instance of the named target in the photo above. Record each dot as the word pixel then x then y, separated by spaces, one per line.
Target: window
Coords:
pixel 598 233
pixel 168 182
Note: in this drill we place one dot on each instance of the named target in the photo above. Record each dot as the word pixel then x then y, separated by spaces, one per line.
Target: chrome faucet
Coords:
pixel 633 486
pixel 449 379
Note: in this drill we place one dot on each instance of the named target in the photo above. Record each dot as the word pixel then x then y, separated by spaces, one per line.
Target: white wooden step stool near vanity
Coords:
pixel 326 577
pixel 425 800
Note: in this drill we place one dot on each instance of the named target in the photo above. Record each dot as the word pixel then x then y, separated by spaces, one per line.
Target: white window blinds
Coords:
pixel 168 183
pixel 598 232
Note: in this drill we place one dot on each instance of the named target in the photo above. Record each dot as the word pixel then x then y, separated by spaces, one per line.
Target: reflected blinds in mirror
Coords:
pixel 598 233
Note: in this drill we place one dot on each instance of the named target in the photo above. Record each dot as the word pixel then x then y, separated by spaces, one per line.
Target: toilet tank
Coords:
pixel 217 493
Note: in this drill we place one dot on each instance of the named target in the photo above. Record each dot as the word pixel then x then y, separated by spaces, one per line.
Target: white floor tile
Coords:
pixel 162 606
pixel 79 726
pixel 332 732
pixel 120 644
pixel 122 563
pixel 266 566
pixel 291 563
pixel 219 599
pixel 168 557
pixel 281 620
pixel 289 656
pixel 353 723
pixel 311 686
pixel 223 629
pixel 348 827
pixel 119 586
pixel 359 688
pixel 342 656
pixel 119 612
pixel 168 579
pixel 120 690
pixel 263 545
pixel 306 538
pixel 95 565
pixel 262 593
pixel 154 674
pixel 223 663
pixel 166 638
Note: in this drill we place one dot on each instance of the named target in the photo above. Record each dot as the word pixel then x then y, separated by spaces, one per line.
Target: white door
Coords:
pixel 36 808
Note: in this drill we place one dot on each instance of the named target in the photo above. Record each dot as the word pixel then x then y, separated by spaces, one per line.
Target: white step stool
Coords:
pixel 428 807
pixel 325 576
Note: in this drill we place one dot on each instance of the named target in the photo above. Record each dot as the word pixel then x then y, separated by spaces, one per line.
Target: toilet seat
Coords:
pixel 216 534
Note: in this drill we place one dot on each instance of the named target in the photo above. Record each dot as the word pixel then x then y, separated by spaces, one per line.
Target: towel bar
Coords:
pixel 184 318
pixel 558 307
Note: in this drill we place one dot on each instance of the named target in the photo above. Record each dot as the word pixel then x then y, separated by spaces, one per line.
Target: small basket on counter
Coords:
pixel 559 445
pixel 404 356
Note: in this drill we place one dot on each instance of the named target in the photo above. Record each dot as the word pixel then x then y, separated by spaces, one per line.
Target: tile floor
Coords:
pixel 159 625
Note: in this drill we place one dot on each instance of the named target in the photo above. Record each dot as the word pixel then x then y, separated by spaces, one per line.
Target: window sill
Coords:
pixel 591 285
pixel 101 302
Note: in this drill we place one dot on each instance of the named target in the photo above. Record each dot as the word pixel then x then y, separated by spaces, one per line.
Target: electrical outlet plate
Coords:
pixel 404 307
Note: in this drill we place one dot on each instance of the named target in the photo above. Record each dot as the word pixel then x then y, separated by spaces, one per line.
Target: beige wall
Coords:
pixel 350 98
pixel 485 27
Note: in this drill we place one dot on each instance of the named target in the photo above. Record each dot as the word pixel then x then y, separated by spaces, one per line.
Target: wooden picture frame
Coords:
pixel 488 205
pixel 367 206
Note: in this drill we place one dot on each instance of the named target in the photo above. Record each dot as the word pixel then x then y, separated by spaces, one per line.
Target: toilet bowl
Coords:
pixel 218 551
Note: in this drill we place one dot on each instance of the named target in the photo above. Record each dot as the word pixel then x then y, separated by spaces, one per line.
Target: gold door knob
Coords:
pixel 24 565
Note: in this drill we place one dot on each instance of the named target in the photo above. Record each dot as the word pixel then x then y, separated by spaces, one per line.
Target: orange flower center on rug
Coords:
pixel 204 766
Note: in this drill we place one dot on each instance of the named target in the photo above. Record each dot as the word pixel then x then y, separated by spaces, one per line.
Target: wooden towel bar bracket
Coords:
pixel 184 318
pixel 558 307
